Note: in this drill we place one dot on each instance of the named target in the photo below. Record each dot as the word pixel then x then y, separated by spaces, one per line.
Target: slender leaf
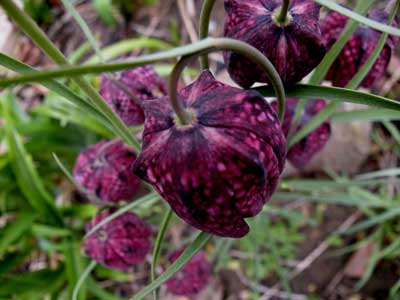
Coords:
pixel 357 17
pixel 98 291
pixel 15 230
pixel 126 46
pixel 84 27
pixel 82 278
pixel 334 94
pixel 157 247
pixel 11 260
pixel 39 283
pixel 74 266
pixel 200 241
pixel 151 197
pixel 53 85
pixel 28 179
pixel 368 114
pixel 378 174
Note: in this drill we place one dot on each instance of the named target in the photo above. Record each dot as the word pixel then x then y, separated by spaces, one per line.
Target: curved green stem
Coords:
pixel 183 116
pixel 200 48
pixel 26 24
pixel 157 247
pixel 225 44
pixel 82 279
pixel 204 26
pixel 282 16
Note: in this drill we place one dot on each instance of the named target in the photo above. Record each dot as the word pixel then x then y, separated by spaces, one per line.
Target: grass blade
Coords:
pixel 359 18
pixel 27 177
pixel 200 241
pixel 15 230
pixel 82 279
pixel 151 197
pixel 334 94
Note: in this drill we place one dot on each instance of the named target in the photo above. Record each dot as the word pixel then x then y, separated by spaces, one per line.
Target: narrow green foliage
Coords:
pixel 15 230
pixel 359 18
pixel 74 264
pixel 27 177
pixel 200 241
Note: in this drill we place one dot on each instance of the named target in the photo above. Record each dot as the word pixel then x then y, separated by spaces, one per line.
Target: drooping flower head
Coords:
pixel 192 278
pixel 302 152
pixel 358 49
pixel 294 48
pixel 104 170
pixel 120 243
pixel 123 91
pixel 223 166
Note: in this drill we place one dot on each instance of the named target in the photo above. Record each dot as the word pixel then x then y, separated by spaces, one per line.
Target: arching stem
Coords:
pixel 224 44
pixel 282 16
pixel 204 26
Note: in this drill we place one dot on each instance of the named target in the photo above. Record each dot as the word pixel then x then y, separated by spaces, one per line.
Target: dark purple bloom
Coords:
pixel 221 168
pixel 104 170
pixel 357 50
pixel 295 49
pixel 124 91
pixel 192 278
pixel 302 152
pixel 120 243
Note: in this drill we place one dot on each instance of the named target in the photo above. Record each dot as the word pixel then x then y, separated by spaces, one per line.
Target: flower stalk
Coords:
pixel 204 27
pixel 224 44
pixel 282 15
pixel 157 247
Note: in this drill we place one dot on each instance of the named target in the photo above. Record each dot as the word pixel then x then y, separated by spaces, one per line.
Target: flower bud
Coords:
pixel 104 170
pixel 120 243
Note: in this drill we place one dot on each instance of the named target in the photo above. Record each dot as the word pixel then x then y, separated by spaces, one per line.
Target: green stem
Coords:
pixel 157 247
pixel 183 116
pixel 282 16
pixel 200 241
pixel 200 48
pixel 25 22
pixel 82 279
pixel 204 27
pixel 225 44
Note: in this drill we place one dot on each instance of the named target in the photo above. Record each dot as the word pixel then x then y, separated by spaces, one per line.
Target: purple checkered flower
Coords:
pixel 358 49
pixel 104 170
pixel 120 243
pixel 302 152
pixel 125 91
pixel 192 278
pixel 223 166
pixel 294 48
